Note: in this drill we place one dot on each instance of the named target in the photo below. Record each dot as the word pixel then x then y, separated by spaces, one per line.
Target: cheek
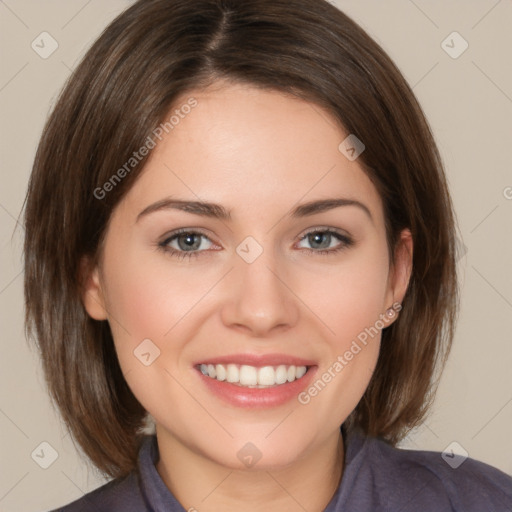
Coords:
pixel 351 296
pixel 149 296
pixel 351 301
pixel 146 299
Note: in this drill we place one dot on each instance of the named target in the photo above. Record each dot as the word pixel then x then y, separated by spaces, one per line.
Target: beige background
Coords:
pixel 468 101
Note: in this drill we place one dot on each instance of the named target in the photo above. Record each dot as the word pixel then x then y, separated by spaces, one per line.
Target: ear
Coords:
pixel 91 289
pixel 401 269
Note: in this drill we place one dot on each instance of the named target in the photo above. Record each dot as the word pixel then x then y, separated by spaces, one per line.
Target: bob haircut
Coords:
pixel 150 56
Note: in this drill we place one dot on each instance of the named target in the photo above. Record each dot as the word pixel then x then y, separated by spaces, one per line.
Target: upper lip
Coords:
pixel 258 360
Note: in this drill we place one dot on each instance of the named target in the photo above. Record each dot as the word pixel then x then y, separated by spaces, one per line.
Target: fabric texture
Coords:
pixel 377 478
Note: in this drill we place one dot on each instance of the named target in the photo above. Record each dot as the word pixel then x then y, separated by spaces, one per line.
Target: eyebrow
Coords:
pixel 216 211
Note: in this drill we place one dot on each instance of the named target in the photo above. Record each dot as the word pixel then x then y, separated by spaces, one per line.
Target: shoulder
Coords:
pixel 142 489
pixel 459 484
pixel 120 495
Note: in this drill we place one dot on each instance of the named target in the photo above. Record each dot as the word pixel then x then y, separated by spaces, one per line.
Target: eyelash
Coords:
pixel 345 240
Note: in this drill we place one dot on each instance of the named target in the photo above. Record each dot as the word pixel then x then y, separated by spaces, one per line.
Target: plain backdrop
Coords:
pixel 467 97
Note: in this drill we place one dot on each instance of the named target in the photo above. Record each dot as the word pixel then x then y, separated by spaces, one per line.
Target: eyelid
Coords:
pixel 180 231
pixel 323 229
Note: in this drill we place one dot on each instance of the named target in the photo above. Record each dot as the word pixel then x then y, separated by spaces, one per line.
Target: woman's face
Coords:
pixel 248 289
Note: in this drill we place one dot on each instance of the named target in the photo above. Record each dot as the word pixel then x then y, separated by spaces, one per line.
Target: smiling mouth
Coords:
pixel 252 376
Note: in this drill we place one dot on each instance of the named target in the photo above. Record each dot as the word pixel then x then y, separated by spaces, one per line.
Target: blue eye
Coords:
pixel 189 243
pixel 322 239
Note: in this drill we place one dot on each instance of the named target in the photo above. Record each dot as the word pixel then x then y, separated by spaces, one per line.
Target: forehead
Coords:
pixel 241 146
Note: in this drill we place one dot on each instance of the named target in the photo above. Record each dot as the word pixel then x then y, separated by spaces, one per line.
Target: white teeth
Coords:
pixel 251 376
pixel 248 375
pixel 300 372
pixel 232 373
pixel 221 372
pixel 281 374
pixel 266 376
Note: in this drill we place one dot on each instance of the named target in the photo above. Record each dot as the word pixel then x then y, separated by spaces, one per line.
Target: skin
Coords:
pixel 259 154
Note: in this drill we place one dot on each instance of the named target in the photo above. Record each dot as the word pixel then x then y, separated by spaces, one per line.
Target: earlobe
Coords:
pixel 91 290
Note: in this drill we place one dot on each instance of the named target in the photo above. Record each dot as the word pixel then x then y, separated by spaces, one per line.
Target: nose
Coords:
pixel 259 298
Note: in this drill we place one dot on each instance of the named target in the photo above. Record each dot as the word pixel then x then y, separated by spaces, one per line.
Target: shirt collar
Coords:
pixel 160 499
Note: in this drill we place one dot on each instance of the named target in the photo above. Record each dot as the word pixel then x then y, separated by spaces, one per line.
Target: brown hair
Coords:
pixel 150 55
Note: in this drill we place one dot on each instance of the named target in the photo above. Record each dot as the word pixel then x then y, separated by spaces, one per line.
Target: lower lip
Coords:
pixel 262 398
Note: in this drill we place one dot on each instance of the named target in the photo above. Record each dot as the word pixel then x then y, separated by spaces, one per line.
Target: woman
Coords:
pixel 238 227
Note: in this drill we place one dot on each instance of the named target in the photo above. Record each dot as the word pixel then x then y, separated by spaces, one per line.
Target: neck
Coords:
pixel 201 484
